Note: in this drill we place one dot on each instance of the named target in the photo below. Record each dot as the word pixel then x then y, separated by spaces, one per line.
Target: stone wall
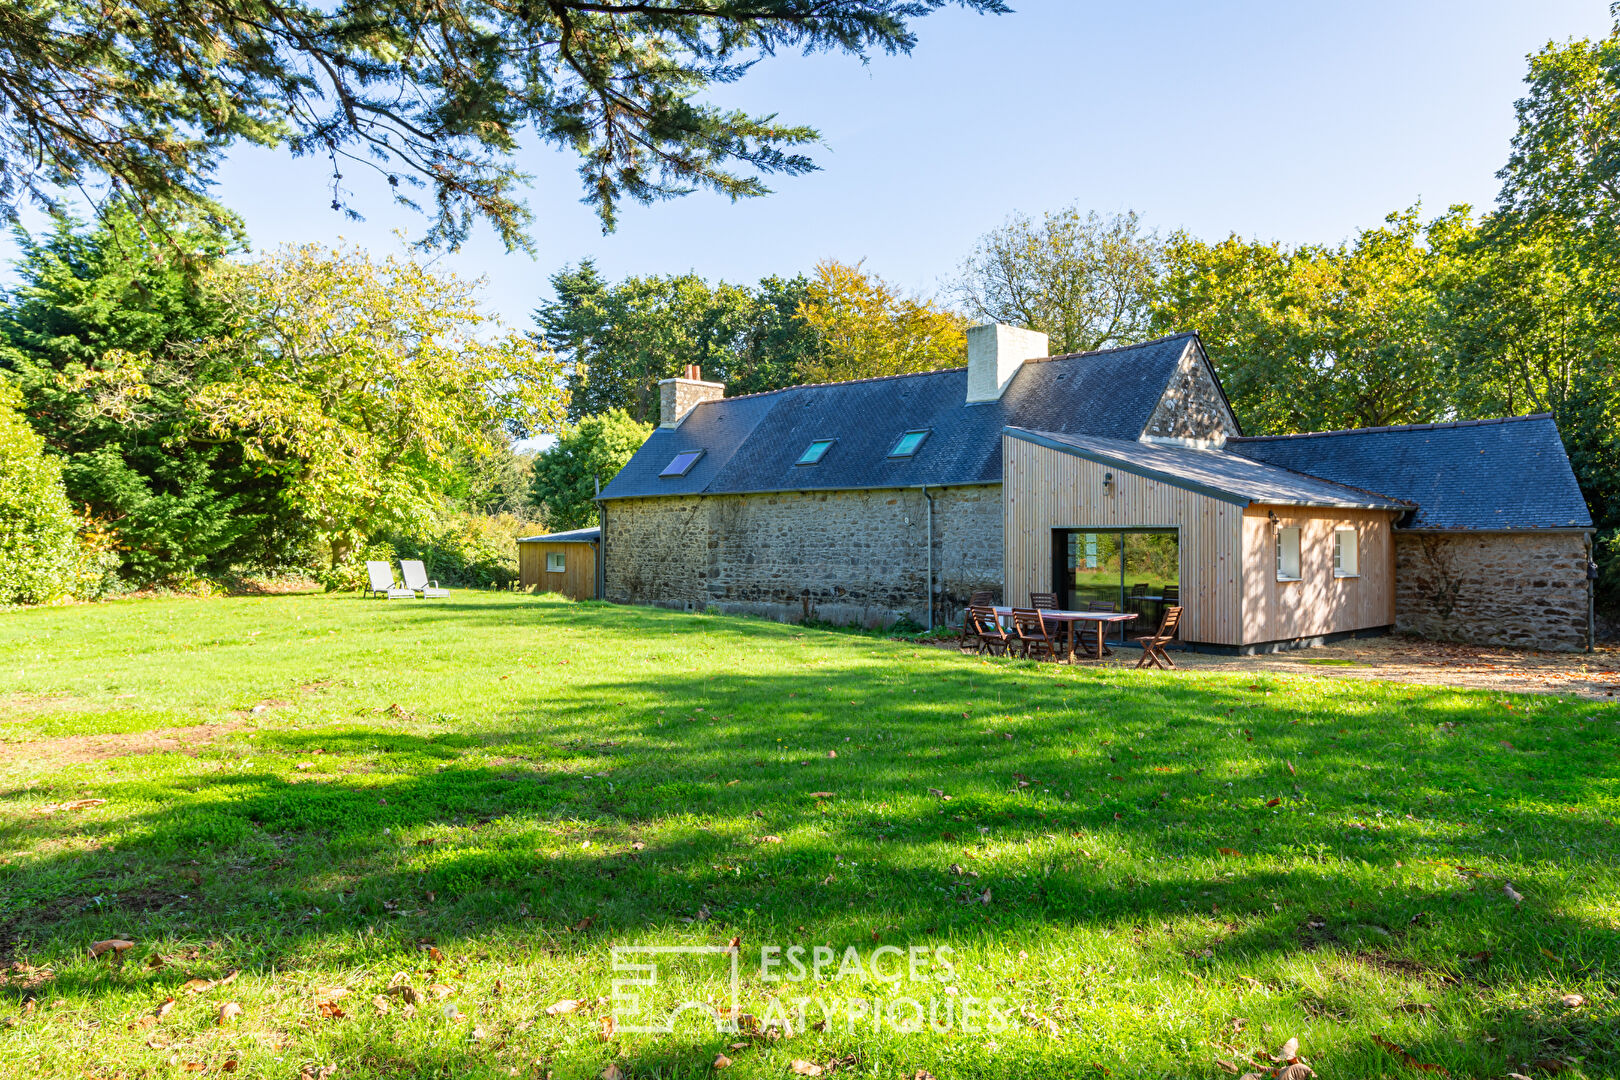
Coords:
pixel 1192 406
pixel 1527 589
pixel 849 557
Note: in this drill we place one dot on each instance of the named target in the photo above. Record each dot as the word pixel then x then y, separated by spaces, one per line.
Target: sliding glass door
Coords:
pixel 1136 570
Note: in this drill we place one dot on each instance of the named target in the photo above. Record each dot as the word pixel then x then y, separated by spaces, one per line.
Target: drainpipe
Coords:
pixel 601 542
pixel 1591 596
pixel 930 516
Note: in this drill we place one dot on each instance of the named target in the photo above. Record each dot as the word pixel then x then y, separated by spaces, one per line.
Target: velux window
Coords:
pixel 1287 554
pixel 908 444
pixel 815 452
pixel 1345 562
pixel 682 463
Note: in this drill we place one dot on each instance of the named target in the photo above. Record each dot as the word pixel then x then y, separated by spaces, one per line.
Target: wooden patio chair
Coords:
pixel 1086 632
pixel 1153 654
pixel 1034 638
pixel 987 631
pixel 1043 601
pixel 981 598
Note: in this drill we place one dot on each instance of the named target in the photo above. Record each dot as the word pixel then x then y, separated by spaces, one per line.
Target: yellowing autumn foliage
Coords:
pixel 867 327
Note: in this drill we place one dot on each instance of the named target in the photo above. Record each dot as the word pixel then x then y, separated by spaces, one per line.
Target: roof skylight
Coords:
pixel 908 444
pixel 682 463
pixel 815 452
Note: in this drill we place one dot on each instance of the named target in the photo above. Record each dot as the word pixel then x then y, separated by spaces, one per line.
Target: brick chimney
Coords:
pixel 677 397
pixel 995 353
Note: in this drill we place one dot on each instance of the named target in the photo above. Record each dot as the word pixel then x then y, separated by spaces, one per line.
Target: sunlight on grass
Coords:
pixel 1152 873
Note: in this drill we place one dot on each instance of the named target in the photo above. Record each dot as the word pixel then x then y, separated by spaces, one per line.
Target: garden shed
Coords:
pixel 563 562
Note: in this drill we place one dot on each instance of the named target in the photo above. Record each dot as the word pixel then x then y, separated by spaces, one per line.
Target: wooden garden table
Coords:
pixel 1070 618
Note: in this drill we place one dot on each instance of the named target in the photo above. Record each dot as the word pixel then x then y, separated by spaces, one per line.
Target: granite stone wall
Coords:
pixel 848 557
pixel 1526 589
pixel 1192 406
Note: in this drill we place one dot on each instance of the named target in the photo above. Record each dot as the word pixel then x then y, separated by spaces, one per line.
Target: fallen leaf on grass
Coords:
pixel 155 961
pixel 821 794
pixel 229 1066
pixel 380 1003
pixel 1227 1066
pixel 1572 1001
pixel 116 946
pixel 770 839
pixel 330 1010
pixel 406 993
pixel 612 1072
pixel 806 1068
pixel 1296 1071
pixel 1408 1059
pixel 317 1072
pixel 194 1066
pixel 1549 954
pixel 721 1061
pixel 440 991
pixel 1513 894
pixel 609 1026
pixel 76 804
pixel 563 1007
pixel 197 986
pixel 1234 852
pixel 228 1011
pixel 143 1023
pixel 434 954
pixel 1273 802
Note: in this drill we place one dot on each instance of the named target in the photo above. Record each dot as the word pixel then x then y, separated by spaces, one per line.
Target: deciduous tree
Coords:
pixel 865 326
pixel 589 452
pixel 1085 280
pixel 357 380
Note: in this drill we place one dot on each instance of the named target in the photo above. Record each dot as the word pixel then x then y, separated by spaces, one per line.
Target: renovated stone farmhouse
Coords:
pixel 1121 476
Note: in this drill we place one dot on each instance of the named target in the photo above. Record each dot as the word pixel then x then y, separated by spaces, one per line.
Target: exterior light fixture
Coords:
pixel 1108 483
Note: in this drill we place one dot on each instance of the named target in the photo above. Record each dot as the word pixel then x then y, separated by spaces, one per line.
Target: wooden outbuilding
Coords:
pixel 1260 557
pixel 564 562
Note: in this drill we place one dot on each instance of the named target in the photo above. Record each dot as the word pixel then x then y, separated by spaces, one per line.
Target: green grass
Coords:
pixel 488 794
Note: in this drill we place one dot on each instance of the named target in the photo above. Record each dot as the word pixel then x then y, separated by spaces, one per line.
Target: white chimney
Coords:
pixel 995 352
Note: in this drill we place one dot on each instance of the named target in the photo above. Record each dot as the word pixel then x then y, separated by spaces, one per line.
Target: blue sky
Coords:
pixel 1297 121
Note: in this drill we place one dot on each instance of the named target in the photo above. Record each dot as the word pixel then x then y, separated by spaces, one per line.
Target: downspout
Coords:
pixel 1591 596
pixel 601 542
pixel 930 517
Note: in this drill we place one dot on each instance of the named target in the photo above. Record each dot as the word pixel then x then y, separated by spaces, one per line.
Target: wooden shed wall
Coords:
pixel 1046 489
pixel 1318 603
pixel 577 580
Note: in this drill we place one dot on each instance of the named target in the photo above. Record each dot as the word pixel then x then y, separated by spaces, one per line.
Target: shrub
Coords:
pixel 459 550
pixel 39 551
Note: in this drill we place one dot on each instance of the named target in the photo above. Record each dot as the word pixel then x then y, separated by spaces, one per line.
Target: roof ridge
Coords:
pixel 1113 348
pixel 840 382
pixel 1445 424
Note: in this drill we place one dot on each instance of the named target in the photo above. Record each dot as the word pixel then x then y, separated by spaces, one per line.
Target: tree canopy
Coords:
pixel 587 453
pixel 865 326
pixel 429 97
pixel 1085 280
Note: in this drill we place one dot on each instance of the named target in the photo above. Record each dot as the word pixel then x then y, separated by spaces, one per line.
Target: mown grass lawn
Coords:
pixel 411 828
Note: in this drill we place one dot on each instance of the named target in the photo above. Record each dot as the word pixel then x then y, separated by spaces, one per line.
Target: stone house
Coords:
pixel 1118 475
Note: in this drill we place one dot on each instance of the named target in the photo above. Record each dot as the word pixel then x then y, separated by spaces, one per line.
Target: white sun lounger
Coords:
pixel 416 579
pixel 382 582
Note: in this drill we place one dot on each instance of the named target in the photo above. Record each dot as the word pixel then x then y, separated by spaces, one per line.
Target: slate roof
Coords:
pixel 1502 474
pixel 573 536
pixel 1216 473
pixel 751 443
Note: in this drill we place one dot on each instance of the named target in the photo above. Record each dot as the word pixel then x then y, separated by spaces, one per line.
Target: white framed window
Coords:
pixel 556 562
pixel 1346 563
pixel 1287 554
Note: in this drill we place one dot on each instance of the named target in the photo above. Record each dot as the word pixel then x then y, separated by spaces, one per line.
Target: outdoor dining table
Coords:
pixel 1070 618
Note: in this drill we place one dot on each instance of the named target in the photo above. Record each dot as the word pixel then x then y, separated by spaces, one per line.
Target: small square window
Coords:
pixel 556 562
pixel 682 463
pixel 815 452
pixel 1345 561
pixel 1287 554
pixel 908 444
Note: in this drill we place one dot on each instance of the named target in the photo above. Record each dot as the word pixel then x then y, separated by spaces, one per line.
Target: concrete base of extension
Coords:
pixel 1258 647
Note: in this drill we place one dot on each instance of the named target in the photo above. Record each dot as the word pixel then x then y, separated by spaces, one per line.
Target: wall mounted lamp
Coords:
pixel 1108 483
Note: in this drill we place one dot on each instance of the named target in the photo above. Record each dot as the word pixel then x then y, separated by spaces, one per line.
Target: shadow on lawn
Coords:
pixel 1073 801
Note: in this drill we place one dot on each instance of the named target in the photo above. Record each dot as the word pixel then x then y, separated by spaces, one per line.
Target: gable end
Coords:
pixel 1193 410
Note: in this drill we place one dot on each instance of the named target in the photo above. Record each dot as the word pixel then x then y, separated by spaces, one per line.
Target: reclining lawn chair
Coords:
pixel 416 579
pixel 383 583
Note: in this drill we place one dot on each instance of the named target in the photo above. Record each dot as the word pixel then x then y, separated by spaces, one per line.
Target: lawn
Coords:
pixel 404 839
